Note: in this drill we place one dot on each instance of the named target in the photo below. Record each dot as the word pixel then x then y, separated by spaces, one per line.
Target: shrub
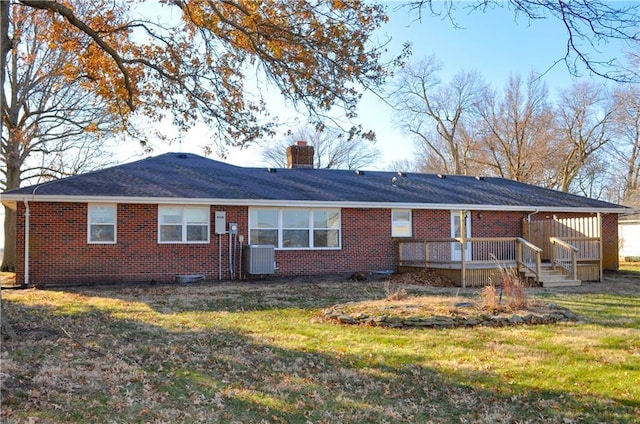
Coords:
pixel 489 301
pixel 394 293
pixel 512 288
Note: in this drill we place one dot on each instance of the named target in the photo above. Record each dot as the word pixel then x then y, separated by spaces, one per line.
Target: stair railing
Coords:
pixel 565 256
pixel 528 257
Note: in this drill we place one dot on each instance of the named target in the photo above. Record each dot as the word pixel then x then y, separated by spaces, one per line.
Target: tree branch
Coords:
pixel 70 16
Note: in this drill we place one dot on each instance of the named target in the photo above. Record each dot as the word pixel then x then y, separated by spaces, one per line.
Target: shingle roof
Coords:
pixel 183 176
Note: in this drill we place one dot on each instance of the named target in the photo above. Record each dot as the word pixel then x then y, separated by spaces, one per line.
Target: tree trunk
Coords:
pixel 5 45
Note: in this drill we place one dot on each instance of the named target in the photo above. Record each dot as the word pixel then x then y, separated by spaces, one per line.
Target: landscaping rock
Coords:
pixel 516 319
pixel 346 319
pixel 336 313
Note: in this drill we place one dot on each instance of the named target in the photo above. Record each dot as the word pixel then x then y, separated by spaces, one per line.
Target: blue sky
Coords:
pixel 495 43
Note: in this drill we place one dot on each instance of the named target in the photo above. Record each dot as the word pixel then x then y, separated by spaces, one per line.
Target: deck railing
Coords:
pixel 422 252
pixel 492 249
pixel 588 247
pixel 494 252
pixel 529 257
pixel 565 256
pixel 486 252
pixel 450 250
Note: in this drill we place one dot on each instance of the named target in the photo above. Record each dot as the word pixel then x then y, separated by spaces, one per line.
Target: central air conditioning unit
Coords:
pixel 259 259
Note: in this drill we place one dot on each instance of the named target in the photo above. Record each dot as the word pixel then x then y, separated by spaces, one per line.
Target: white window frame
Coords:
pixel 184 224
pixel 401 228
pixel 305 228
pixel 310 227
pixel 93 219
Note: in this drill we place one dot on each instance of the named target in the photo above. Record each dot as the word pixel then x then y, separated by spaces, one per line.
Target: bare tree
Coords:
pixel 588 24
pixel 332 149
pixel 434 113
pixel 517 131
pixel 585 114
pixel 597 178
pixel 407 165
pixel 51 125
pixel 626 148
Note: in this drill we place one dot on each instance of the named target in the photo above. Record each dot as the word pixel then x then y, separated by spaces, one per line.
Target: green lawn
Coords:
pixel 630 266
pixel 260 352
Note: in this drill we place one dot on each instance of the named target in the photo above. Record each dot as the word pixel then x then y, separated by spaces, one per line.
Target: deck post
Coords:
pixel 574 264
pixel 538 266
pixel 426 254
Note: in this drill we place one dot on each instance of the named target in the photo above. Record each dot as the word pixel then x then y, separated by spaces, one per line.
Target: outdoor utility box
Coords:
pixel 220 222
pixel 259 259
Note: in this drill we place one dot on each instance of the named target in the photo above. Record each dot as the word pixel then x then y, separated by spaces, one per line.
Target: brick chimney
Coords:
pixel 300 155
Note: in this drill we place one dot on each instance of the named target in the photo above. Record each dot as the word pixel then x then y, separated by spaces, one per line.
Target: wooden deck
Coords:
pixel 477 262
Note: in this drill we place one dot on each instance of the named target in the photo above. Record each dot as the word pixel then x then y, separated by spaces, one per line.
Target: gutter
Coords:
pixel 314 203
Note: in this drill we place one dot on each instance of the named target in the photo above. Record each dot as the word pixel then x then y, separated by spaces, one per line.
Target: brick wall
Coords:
pixel 496 224
pixel 610 242
pixel 59 252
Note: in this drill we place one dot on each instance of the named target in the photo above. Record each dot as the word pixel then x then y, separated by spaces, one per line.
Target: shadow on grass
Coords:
pixel 81 363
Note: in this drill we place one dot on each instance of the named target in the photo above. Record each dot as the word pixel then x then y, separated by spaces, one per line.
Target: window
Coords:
pixel 295 228
pixel 183 224
pixel 102 223
pixel 326 228
pixel 401 223
pixel 264 226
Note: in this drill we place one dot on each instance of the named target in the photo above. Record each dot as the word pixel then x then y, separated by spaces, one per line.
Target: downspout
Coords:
pixel 26 242
pixel 529 220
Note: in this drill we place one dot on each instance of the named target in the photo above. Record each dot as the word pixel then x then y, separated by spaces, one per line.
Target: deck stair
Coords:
pixel 550 277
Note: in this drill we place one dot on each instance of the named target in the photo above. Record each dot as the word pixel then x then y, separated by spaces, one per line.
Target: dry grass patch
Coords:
pixel 253 352
pixel 7 279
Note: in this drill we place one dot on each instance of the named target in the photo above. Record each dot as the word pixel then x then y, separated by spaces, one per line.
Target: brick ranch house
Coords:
pixel 180 214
